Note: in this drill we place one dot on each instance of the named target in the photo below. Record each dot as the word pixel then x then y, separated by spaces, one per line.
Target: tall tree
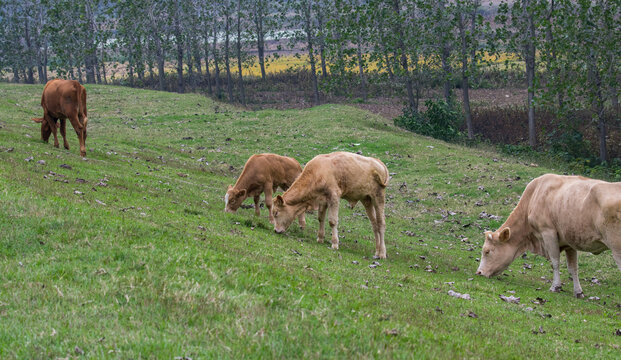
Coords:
pixel 240 16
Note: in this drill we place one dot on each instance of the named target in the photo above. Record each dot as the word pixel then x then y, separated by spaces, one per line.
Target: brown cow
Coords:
pixel 61 100
pixel 328 178
pixel 263 173
pixel 557 213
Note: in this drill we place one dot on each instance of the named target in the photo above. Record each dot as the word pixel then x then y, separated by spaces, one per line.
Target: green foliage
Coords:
pixel 441 120
pixel 570 145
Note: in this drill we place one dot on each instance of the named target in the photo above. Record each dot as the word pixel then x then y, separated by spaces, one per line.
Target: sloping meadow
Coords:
pixel 128 253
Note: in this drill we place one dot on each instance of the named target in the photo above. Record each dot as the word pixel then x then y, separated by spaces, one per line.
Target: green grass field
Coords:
pixel 129 254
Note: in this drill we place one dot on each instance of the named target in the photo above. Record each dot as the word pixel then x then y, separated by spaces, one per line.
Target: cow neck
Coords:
pixel 521 232
pixel 300 192
pixel 244 181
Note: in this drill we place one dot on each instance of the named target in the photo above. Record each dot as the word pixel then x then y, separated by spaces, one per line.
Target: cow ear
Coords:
pixel 229 188
pixel 504 235
pixel 279 200
pixel 241 193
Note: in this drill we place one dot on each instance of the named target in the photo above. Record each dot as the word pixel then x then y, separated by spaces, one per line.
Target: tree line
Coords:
pixel 567 50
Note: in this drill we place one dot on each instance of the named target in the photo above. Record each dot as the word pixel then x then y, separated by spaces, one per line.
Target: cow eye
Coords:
pixel 487 252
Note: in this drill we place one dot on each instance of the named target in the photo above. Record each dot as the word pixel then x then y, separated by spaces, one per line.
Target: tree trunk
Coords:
pixel 197 58
pixel 446 67
pixel 45 60
pixel 179 41
pixel 160 62
pixel 227 33
pixel 530 71
pixel 258 21
pixel 239 55
pixel 464 76
pixel 30 52
pixel 190 67
pixel 215 61
pixel 322 41
pixel 207 72
pixel 363 79
pixel 131 75
pixel 404 59
pixel 552 53
pixel 311 55
pixel 80 78
pixel 15 75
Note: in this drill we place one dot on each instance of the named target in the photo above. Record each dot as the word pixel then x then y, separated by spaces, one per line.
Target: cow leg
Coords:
pixel 63 132
pixel 302 220
pixel 572 266
pixel 617 256
pixel 370 209
pixel 52 123
pixel 333 220
pixel 79 130
pixel 378 204
pixel 321 216
pixel 257 210
pixel 46 131
pixel 550 242
pixel 269 192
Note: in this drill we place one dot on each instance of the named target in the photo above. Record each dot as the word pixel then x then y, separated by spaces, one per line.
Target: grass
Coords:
pixel 142 261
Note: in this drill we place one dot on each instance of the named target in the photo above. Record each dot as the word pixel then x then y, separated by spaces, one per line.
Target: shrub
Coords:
pixel 441 120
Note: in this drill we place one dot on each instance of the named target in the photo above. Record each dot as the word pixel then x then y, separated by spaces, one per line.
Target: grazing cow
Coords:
pixel 61 100
pixel 557 213
pixel 328 178
pixel 263 173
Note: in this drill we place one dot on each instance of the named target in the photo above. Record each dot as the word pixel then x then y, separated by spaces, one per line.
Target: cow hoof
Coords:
pixel 380 256
pixel 320 240
pixel 555 288
pixel 579 295
pixel 335 246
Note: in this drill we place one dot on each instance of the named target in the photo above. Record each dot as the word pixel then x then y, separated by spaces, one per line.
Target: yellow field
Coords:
pixel 275 65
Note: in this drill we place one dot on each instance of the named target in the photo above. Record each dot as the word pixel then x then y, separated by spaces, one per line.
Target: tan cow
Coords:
pixel 328 178
pixel 263 173
pixel 557 213
pixel 61 100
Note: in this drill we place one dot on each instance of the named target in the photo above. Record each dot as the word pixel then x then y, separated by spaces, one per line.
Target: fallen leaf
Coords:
pixel 459 295
pixel 510 299
pixel 539 301
pixel 392 332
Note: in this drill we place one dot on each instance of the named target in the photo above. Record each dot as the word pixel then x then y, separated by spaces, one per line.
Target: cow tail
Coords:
pixel 83 105
pixel 78 89
pixel 37 120
pixel 383 182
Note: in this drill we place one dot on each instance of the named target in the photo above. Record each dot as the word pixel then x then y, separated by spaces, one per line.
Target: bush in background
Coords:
pixel 441 120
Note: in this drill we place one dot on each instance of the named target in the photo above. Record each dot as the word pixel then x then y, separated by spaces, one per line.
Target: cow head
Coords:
pixel 284 214
pixel 498 252
pixel 46 131
pixel 233 199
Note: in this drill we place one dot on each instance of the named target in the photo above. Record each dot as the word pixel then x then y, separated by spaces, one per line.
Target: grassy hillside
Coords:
pixel 128 253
